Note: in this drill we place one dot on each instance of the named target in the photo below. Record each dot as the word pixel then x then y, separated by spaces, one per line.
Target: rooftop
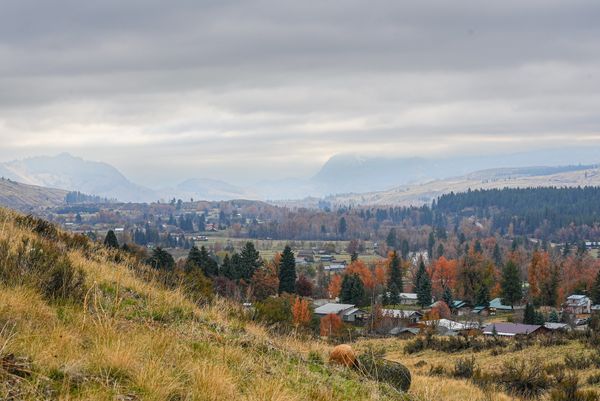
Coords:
pixel 332 308
pixel 510 329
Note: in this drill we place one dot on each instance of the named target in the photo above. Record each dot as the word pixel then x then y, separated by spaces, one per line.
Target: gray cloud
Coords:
pixel 236 89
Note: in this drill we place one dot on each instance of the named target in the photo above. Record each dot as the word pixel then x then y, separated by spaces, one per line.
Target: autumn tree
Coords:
pixel 265 282
pixel 301 314
pixel 287 272
pixel 331 325
pixel 443 275
pixel 335 286
pixel 441 310
pixel 362 270
pixel 304 286
pixel 537 275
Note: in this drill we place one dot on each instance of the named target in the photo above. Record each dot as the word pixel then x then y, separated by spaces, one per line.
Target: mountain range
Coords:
pixel 340 179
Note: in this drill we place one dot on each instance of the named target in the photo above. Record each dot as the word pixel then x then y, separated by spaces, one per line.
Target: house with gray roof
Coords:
pixel 578 305
pixel 348 312
pixel 513 329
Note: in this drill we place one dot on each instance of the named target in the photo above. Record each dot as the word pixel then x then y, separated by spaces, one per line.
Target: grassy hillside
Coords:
pixel 28 197
pixel 77 325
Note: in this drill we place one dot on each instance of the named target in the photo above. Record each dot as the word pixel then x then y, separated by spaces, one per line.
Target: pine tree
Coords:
pixel 353 257
pixel 483 296
pixel 395 276
pixel 478 248
pixel 287 272
pixel 423 285
pixel 447 297
pixel 353 290
pixel 194 259
pixel 440 250
pixel 405 249
pixel 497 255
pixel 430 244
pixel 227 269
pixel 110 240
pixel 342 227
pixel 161 259
pixel 391 239
pixel 529 314
pixel 249 261
pixel 511 284
pixel 553 317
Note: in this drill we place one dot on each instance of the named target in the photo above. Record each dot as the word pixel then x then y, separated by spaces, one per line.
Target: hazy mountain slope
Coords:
pixel 354 173
pixel 29 197
pixel 118 334
pixel 207 189
pixel 73 173
pixel 425 193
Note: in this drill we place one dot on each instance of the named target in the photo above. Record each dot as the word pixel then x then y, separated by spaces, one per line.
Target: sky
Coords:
pixel 251 90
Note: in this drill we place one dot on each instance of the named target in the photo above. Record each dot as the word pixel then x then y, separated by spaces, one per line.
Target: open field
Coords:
pixel 427 386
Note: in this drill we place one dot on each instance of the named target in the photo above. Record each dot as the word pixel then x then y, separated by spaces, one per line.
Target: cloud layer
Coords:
pixel 244 90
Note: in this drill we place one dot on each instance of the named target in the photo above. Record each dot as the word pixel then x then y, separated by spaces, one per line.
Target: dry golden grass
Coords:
pixel 130 339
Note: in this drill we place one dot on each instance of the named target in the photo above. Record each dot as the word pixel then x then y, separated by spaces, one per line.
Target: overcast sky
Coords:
pixel 267 89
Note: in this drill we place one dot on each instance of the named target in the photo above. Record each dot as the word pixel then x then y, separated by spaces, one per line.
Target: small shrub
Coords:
pixel 464 368
pixel 524 380
pixel 594 379
pixel 568 390
pixel 420 364
pixel 393 373
pixel 578 362
pixel 315 358
pixel 437 370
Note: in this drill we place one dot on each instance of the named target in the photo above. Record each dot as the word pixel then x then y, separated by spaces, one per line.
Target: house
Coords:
pixel 405 332
pixel 334 267
pixel 496 305
pixel 513 329
pixel 553 327
pixel 460 308
pixel 577 305
pixel 412 316
pixel 482 310
pixel 451 325
pixel 408 298
pixel 348 312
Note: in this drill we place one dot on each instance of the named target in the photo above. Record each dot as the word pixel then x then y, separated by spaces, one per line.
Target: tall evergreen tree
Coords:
pixel 110 240
pixel 405 249
pixel 249 261
pixel 227 269
pixel 353 290
pixel 161 259
pixel 342 227
pixel 483 296
pixel 529 314
pixel 497 255
pixel 430 244
pixel 447 297
pixel 512 291
pixel 287 272
pixel 395 276
pixel 391 239
pixel 423 285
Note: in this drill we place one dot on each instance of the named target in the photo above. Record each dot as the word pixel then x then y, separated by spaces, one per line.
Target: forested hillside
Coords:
pixel 528 211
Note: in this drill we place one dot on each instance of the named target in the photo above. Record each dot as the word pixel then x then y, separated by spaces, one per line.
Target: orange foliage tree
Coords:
pixel 443 275
pixel 440 310
pixel 538 273
pixel 335 286
pixel 301 312
pixel 360 268
pixel 265 281
pixel 331 325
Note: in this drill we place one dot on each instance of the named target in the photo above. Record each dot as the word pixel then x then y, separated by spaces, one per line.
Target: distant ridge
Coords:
pixel 25 197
